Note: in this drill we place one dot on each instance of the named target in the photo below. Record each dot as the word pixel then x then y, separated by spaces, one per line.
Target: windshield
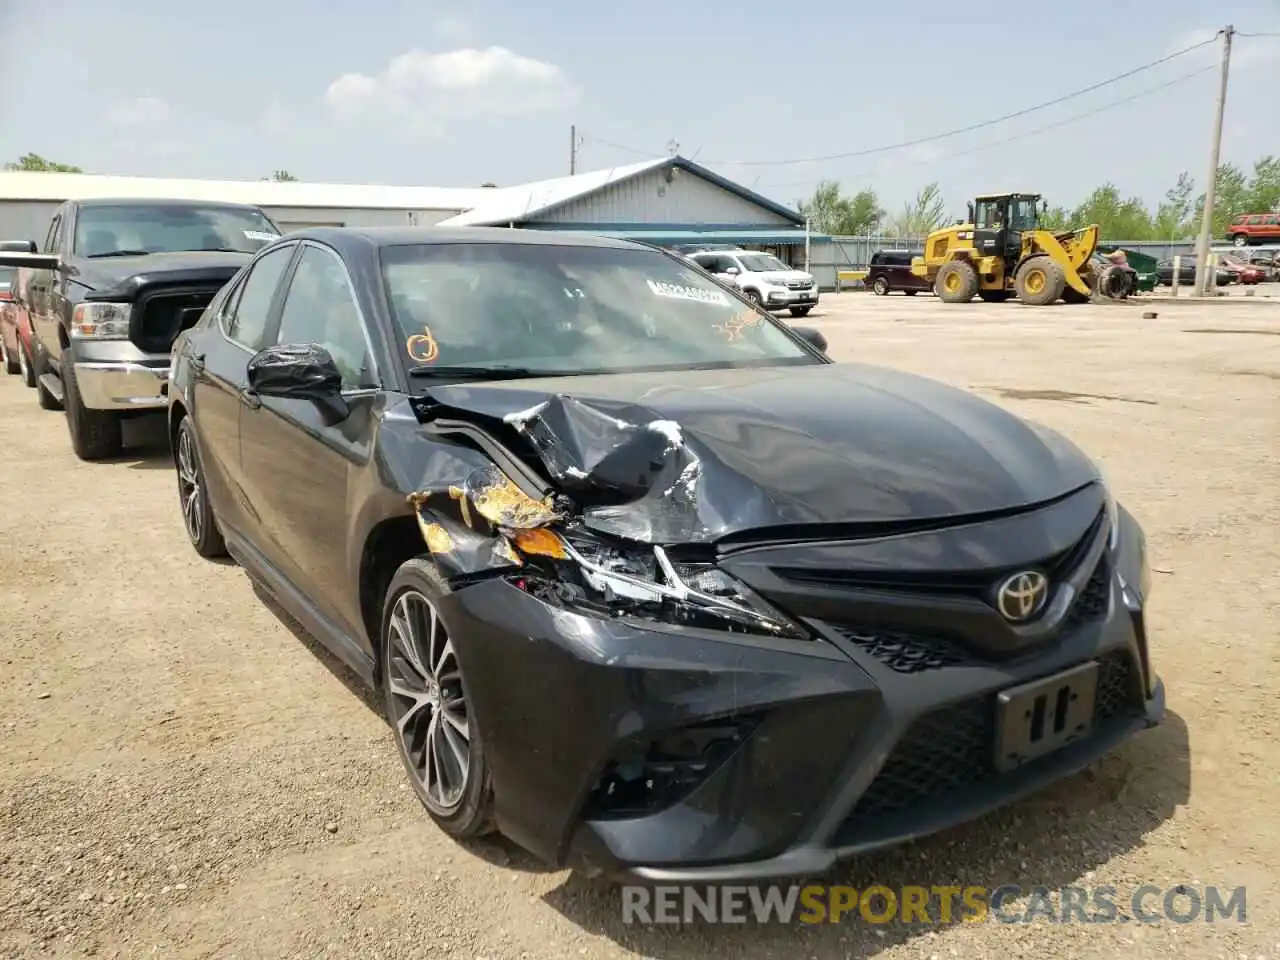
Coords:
pixel 135 229
pixel 762 262
pixel 570 309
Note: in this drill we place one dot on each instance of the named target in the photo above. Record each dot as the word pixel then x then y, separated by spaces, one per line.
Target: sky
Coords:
pixel 439 94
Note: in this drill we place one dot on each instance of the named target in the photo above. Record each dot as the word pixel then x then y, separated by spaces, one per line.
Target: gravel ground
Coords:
pixel 183 775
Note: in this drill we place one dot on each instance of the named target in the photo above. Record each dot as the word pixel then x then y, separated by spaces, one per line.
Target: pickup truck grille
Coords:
pixel 160 315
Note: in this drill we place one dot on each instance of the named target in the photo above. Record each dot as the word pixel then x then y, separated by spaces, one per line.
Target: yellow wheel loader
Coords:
pixel 1002 252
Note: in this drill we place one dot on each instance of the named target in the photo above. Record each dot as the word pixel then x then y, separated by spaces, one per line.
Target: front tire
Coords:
pixel 880 287
pixel 1039 282
pixel 1240 239
pixel 800 311
pixel 193 494
pixel 427 703
pixel 956 282
pixel 95 434
pixel 754 297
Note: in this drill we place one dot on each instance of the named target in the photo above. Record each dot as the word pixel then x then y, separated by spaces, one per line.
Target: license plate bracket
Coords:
pixel 1037 718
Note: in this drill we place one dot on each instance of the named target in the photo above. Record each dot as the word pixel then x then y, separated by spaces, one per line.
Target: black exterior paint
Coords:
pixel 876 508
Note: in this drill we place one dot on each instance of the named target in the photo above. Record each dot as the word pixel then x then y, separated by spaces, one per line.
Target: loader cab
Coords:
pixel 999 220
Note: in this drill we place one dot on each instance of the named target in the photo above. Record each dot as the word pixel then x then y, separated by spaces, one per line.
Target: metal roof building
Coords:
pixel 669 201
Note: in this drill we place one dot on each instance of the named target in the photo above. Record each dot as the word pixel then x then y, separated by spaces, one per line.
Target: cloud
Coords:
pixel 138 112
pixel 430 89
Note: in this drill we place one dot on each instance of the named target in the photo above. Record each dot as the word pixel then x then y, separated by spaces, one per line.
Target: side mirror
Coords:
pixel 971 211
pixel 299 371
pixel 813 337
pixel 731 271
pixel 24 253
pixel 19 246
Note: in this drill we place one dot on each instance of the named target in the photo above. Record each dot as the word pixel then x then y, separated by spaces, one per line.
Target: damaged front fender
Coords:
pixel 469 526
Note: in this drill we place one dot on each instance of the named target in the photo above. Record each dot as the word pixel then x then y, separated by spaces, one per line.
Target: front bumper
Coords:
pixel 826 749
pixel 116 375
pixel 780 298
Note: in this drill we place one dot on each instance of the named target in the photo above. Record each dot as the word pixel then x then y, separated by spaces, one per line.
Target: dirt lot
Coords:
pixel 182 776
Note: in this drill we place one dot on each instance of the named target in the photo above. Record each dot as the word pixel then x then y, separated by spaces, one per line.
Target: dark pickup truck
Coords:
pixel 111 288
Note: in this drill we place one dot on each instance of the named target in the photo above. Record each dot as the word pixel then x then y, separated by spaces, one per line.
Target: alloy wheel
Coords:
pixel 428 703
pixel 190 490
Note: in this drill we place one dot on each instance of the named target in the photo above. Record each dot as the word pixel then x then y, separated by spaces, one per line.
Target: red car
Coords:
pixel 1254 228
pixel 15 327
pixel 1242 272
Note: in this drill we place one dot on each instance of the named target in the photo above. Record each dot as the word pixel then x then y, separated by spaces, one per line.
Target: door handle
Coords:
pixel 250 399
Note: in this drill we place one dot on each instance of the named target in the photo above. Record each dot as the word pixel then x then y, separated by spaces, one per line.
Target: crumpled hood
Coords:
pixel 695 456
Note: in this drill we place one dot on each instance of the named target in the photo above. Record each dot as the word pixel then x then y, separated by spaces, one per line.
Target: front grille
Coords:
pixel 799 284
pixel 905 652
pixel 952 748
pixel 1094 599
pixel 159 316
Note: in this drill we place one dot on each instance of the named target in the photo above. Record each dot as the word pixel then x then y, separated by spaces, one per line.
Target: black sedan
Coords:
pixel 1187 273
pixel 643 579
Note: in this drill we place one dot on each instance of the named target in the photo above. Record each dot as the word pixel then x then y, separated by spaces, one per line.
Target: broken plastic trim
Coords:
pixel 754 613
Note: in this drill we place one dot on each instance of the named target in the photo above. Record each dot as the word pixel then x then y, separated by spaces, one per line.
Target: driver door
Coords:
pixel 991 228
pixel 298 467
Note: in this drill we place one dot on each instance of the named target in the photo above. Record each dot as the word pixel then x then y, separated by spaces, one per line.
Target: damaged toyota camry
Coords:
pixel 642 578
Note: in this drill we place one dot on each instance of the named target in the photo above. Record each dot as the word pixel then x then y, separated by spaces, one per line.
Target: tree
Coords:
pixel 921 216
pixel 829 211
pixel 1116 217
pixel 1264 187
pixel 282 176
pixel 1173 217
pixel 33 162
pixel 1231 196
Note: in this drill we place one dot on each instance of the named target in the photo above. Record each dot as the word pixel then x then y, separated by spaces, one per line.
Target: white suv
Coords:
pixel 762 278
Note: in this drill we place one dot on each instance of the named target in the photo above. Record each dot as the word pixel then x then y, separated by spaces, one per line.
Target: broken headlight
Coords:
pixel 644 582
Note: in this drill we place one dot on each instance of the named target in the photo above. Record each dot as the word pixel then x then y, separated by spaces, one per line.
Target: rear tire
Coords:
pixel 193 494
pixel 24 363
pixel 95 434
pixel 956 282
pixel 1039 282
pixel 880 287
pixel 1240 239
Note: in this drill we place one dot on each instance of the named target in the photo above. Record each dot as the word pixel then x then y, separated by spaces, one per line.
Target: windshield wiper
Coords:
pixel 478 373
pixel 118 253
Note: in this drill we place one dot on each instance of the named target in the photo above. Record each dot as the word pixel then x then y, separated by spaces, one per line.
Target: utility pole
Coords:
pixel 1204 282
pixel 573 149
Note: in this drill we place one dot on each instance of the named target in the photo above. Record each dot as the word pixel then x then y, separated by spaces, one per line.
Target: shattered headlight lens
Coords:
pixel 643 582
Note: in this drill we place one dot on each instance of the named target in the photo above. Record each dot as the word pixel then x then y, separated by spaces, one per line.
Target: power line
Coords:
pixel 975 126
pixel 1257 34
pixel 1074 118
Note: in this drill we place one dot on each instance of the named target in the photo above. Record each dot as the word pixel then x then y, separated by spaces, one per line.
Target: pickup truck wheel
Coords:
pixel 95 434
pixel 193 497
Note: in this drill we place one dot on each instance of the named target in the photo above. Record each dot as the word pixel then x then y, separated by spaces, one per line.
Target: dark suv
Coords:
pixel 891 270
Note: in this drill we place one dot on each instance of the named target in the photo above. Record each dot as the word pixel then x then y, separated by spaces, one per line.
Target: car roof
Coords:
pixel 161 202
pixel 352 238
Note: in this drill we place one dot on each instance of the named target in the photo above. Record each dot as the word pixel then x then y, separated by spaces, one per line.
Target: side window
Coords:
pixel 1271 221
pixel 51 238
pixel 248 314
pixel 321 309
